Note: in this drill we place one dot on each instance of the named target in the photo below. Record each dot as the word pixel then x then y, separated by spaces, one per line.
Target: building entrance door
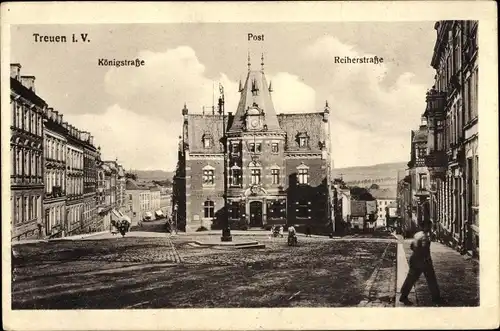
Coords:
pixel 256 214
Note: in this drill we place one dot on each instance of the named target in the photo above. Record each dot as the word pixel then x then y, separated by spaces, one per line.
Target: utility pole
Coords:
pixel 226 229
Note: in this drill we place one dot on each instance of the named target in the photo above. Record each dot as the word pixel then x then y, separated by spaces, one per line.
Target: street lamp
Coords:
pixel 226 229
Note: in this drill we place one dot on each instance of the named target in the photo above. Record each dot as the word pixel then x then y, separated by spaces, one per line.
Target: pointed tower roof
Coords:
pixel 255 93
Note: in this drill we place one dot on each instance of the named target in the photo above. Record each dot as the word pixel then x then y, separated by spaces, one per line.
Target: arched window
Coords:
pixel 209 209
pixel 303 174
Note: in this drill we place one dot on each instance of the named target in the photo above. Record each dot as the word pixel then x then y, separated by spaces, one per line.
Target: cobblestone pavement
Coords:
pixel 154 270
pixel 457 275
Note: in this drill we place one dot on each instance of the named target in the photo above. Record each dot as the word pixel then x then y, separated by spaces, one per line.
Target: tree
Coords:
pixel 130 175
pixel 361 194
pixel 374 187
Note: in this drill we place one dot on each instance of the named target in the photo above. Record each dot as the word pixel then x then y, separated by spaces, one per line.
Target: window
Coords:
pixel 303 141
pixel 255 147
pixel 208 208
pixel 303 174
pixel 274 148
pixel 475 182
pixel 302 210
pixel 275 173
pixel 207 140
pixel 422 181
pixel 276 209
pixel 208 176
pixel 255 176
pixel 235 148
pixel 235 177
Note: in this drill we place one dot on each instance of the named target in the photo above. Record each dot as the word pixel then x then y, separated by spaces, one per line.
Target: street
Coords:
pixel 148 269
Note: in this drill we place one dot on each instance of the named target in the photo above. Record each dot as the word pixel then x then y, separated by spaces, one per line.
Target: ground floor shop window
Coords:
pixel 302 209
pixel 276 209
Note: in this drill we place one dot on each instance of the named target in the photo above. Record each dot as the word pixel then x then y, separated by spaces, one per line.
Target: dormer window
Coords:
pixel 207 140
pixel 303 139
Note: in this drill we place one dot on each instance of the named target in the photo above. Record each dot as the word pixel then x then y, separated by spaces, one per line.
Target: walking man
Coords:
pixel 420 262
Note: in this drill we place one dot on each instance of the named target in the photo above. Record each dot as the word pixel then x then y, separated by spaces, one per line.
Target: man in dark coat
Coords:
pixel 420 262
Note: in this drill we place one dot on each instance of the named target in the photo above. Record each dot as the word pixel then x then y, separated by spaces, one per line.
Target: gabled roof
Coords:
pixel 255 93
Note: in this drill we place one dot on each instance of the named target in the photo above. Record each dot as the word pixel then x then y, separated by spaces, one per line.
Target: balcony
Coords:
pixel 436 159
pixel 435 104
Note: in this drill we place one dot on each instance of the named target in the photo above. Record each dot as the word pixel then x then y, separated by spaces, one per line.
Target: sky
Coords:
pixel 135 113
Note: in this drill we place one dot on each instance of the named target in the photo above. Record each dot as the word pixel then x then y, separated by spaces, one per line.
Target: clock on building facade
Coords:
pixel 254 119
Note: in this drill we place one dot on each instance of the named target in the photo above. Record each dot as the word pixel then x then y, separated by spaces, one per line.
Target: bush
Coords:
pixel 201 228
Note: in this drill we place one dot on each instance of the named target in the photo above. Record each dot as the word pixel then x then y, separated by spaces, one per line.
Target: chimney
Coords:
pixel 60 119
pixel 91 140
pixel 15 71
pixel 28 82
pixel 55 115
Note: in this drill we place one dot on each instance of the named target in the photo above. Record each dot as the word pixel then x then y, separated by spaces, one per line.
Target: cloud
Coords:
pixel 290 94
pixel 154 95
pixel 138 141
pixel 371 121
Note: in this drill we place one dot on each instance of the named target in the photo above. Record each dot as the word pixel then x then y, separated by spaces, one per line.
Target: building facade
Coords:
pixel 90 159
pixel 54 203
pixel 277 165
pixel 384 199
pixel 452 113
pixel 26 151
pixel 142 200
pixel 418 181
pixel 74 181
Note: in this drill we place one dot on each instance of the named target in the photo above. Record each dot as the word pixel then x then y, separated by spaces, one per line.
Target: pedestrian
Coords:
pixel 420 262
pixel 308 231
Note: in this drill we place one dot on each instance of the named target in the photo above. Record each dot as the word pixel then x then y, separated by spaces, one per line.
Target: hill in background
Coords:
pixel 384 175
pixel 150 175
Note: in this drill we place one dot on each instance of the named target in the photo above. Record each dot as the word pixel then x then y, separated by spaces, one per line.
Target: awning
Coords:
pixel 116 214
pixel 148 214
pixel 159 213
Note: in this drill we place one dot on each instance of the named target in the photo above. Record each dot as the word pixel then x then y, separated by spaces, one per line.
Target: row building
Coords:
pixel 277 164
pixel 54 169
pixel 442 189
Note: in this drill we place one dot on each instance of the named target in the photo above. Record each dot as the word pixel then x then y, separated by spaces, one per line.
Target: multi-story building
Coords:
pixel 26 150
pixel 142 199
pixel 121 188
pixel 452 113
pixel 384 198
pixel 277 165
pixel 54 203
pixel 74 181
pixel 90 158
pixel 419 178
pixel 404 207
pixel 103 194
